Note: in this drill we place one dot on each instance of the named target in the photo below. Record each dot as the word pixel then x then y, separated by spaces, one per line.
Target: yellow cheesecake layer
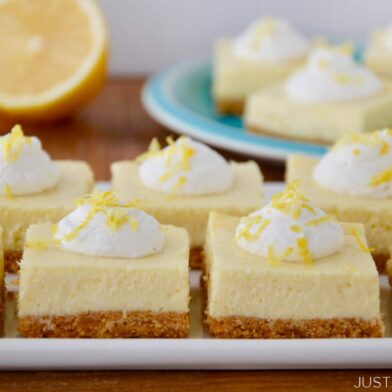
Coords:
pixel 271 111
pixel 375 214
pixel 234 77
pixel 55 282
pixel 343 285
pixel 191 212
pixel 17 213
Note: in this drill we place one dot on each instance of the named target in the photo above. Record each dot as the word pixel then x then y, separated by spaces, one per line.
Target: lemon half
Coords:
pixel 53 56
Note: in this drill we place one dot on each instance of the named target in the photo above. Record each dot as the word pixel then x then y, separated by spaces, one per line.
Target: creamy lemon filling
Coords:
pixel 24 167
pixel 101 226
pixel 290 228
pixel 332 75
pixel 272 40
pixel 358 165
pixel 184 167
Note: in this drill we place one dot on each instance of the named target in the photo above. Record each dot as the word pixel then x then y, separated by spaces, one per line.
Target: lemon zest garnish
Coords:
pixel 73 234
pixel 103 202
pixel 346 48
pixel 303 250
pixel 341 78
pixel 361 245
pixel 13 143
pixel 288 251
pixel 309 208
pixel 368 138
pixel 53 229
pixel 296 228
pixel 134 223
pixel 249 222
pixel 290 201
pixel 381 178
pixel 272 259
pixel 384 149
pixel 8 192
pixel 116 218
pixel 153 150
pixel 41 244
pixel 170 140
pixel 318 221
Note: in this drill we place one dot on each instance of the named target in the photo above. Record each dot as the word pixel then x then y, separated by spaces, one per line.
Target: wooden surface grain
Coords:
pixel 115 127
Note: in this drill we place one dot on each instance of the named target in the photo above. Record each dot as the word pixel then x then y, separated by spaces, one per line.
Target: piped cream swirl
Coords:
pixel 290 228
pixel 185 167
pixel 271 40
pixel 24 167
pixel 358 165
pixel 331 75
pixel 101 226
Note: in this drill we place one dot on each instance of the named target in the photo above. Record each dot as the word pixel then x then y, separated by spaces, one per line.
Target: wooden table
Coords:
pixel 115 127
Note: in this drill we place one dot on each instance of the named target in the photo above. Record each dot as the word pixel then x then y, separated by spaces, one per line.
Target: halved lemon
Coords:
pixel 52 57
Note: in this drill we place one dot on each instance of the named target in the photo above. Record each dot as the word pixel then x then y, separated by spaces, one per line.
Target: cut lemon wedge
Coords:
pixel 53 57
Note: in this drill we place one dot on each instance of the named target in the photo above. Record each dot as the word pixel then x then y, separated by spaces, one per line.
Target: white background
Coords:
pixel 147 35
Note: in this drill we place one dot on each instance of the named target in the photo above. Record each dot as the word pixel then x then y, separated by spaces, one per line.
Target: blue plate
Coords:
pixel 180 98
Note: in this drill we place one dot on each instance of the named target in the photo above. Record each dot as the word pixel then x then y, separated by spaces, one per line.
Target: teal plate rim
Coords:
pixel 179 98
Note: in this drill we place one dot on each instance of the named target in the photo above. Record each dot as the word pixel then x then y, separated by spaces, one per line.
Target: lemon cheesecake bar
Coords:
pixel 289 271
pixel 267 52
pixel 34 189
pixel 353 183
pixel 181 183
pixel 331 97
pixel 108 270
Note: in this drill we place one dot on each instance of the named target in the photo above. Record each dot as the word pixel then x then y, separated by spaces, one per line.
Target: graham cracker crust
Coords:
pixel 277 135
pixel 235 327
pixel 138 324
pixel 230 107
pixel 196 257
pixel 380 259
pixel 11 260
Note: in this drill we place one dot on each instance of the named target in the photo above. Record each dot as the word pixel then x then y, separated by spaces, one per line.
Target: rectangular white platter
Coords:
pixel 199 351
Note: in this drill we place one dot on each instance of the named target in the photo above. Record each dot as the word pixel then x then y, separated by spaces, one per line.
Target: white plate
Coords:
pixel 199 351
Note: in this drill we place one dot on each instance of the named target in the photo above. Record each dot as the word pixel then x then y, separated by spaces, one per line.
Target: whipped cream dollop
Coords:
pixel 271 40
pixel 25 168
pixel 358 165
pixel 101 226
pixel 185 167
pixel 290 228
pixel 332 75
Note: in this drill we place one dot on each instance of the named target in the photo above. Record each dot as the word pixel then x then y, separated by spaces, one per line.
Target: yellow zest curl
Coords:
pixel 13 143
pixel 272 259
pixel 303 251
pixel 361 245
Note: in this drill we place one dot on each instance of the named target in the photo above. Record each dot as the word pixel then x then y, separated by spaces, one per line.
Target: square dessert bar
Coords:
pixel 375 214
pixel 270 111
pixel 17 213
pixel 234 77
pixel 336 296
pixel 191 212
pixel 70 295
